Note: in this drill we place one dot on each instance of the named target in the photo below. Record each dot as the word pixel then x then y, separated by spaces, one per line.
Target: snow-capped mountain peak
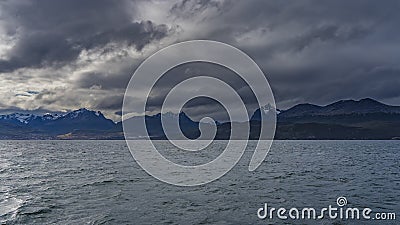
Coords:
pixel 20 117
pixel 264 111
pixel 26 118
pixel 50 116
pixel 83 111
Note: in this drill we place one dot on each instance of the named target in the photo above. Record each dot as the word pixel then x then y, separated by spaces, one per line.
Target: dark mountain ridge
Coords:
pixel 343 107
pixel 346 119
pixel 53 126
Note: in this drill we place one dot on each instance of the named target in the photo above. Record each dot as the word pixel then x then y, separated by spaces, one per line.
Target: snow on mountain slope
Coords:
pixel 26 118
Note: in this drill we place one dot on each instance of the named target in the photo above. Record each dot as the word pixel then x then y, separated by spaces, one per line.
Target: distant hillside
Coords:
pixel 81 124
pixel 155 129
pixel 346 119
pixel 343 107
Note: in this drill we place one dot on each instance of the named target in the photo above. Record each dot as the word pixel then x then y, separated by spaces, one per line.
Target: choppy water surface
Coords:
pixel 98 182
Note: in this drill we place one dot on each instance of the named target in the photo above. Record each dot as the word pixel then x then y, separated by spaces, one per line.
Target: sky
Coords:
pixel 64 55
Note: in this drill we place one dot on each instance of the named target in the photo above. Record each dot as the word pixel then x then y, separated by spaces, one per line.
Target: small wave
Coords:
pixel 38 210
pixel 4 166
pixel 9 207
pixel 101 220
pixel 98 183
pixel 111 181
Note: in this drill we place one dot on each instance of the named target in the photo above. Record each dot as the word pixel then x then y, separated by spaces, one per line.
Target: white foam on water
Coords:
pixel 9 207
pixel 4 164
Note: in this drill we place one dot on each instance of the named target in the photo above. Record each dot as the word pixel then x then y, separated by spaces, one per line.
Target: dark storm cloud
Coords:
pixel 110 102
pixel 137 34
pixel 105 80
pixel 55 32
pixel 187 8
pixel 310 51
pixel 200 106
pixel 327 33
pixel 194 69
pixel 35 50
pixel 319 51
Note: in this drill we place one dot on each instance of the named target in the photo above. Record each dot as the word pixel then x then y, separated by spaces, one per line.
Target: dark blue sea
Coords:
pixel 99 182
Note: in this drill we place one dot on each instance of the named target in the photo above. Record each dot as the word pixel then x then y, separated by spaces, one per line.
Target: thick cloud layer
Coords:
pixel 63 55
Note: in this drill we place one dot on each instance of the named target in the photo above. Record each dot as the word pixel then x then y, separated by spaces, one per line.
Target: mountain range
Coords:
pixel 82 124
pixel 345 119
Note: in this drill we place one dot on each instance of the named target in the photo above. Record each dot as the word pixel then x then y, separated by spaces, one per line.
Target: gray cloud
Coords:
pixel 52 33
pixel 82 53
pixel 113 102
pixel 187 8
pixel 37 50
pixel 189 70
